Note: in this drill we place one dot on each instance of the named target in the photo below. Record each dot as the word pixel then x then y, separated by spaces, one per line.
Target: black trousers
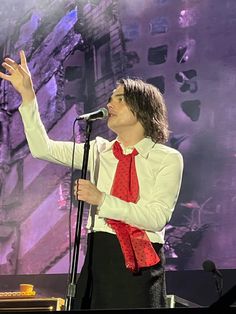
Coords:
pixel 105 283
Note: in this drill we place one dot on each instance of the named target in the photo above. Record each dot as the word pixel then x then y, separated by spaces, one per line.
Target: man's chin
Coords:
pixel 111 126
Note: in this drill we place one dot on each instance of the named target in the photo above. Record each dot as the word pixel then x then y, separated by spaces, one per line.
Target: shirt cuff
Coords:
pixel 110 208
pixel 102 201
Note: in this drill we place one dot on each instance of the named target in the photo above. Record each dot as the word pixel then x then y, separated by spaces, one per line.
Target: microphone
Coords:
pixel 210 266
pixel 101 113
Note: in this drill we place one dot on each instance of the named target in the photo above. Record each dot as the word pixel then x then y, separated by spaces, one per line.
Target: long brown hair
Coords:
pixel 147 103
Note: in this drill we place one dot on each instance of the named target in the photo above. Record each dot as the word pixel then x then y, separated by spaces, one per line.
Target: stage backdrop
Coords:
pixel 76 52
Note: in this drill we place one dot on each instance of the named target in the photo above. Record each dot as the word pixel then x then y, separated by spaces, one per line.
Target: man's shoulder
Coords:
pixel 164 150
pixel 103 144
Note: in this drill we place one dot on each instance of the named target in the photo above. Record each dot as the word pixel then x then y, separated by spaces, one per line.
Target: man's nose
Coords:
pixel 109 105
pixel 109 101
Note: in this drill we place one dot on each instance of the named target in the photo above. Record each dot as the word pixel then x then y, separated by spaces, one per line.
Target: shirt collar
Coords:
pixel 143 147
pixel 109 146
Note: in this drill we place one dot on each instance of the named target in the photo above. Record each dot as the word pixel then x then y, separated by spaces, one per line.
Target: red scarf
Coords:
pixel 135 244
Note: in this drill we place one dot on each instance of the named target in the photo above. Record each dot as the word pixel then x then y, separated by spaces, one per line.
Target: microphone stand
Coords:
pixel 74 264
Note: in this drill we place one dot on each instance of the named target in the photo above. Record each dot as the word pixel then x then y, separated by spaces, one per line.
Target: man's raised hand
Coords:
pixel 19 76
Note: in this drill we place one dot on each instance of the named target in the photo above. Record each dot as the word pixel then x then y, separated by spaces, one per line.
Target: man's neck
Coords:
pixel 128 140
pixel 130 135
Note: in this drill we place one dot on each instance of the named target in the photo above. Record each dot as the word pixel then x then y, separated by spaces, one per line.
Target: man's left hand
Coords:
pixel 86 191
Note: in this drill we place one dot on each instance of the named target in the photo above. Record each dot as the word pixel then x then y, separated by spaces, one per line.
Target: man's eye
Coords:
pixel 121 99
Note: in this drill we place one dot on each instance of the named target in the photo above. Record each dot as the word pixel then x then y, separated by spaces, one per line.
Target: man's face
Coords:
pixel 121 118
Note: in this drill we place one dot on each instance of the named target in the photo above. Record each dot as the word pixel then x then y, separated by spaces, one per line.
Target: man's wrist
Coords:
pixel 28 97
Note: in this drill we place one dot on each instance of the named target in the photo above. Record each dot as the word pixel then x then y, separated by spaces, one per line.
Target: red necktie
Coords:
pixel 135 244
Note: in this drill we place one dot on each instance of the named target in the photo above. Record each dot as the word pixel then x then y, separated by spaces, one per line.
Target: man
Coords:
pixel 134 185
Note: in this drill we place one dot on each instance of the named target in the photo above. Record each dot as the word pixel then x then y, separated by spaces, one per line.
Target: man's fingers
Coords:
pixel 86 191
pixel 84 182
pixel 11 62
pixel 23 60
pixel 76 188
pixel 8 67
pixel 12 68
pixel 82 187
pixel 5 76
pixel 23 71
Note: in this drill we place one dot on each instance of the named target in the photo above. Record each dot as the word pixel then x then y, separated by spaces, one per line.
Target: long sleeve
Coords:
pixel 41 146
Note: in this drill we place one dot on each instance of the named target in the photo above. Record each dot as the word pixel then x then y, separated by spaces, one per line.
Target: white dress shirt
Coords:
pixel 159 170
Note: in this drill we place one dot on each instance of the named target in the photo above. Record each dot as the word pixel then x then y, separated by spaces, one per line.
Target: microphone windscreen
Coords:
pixel 104 112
